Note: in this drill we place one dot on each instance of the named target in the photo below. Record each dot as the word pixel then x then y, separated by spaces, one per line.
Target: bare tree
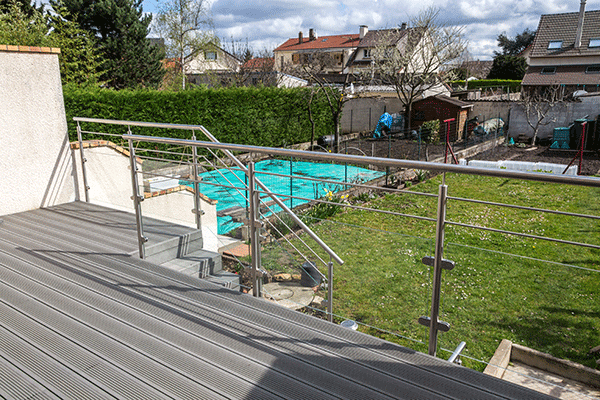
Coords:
pixel 410 59
pixel 538 105
pixel 186 27
pixel 333 87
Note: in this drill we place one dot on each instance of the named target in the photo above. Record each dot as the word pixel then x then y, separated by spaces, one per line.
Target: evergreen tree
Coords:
pixel 79 59
pixel 120 28
pixel 514 46
pixel 25 6
pixel 19 26
pixel 508 67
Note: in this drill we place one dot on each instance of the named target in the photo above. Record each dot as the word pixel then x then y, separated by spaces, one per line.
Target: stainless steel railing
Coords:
pixel 439 263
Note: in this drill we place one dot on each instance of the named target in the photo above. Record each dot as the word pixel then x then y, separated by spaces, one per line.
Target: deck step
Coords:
pixel 207 265
pixel 175 247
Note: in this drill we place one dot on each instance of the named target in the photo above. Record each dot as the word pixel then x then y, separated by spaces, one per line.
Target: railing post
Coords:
pixel 255 225
pixel 83 161
pixel 196 210
pixel 330 290
pixel 137 199
pixel 437 268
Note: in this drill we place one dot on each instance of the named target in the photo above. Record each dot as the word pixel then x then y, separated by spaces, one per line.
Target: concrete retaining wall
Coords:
pixel 361 114
pixel 562 115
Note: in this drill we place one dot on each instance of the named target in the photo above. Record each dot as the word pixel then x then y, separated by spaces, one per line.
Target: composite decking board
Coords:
pixel 334 363
pixel 17 384
pixel 44 370
pixel 342 385
pixel 102 314
pixel 150 378
pixel 201 322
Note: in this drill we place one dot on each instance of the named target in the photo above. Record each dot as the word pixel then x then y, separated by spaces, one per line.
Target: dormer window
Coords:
pixel 548 70
pixel 210 55
pixel 594 42
pixel 367 53
pixel 554 44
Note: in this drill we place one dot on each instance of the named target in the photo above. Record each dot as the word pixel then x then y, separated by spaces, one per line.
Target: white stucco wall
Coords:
pixel 35 161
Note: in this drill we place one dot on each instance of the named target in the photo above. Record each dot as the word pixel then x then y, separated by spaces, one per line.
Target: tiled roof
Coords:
pixel 323 42
pixel 564 75
pixel 372 38
pixel 564 27
pixel 259 63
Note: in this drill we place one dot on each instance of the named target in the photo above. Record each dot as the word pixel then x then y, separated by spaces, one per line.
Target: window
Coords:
pixel 594 42
pixel 367 53
pixel 210 55
pixel 593 69
pixel 548 70
pixel 554 44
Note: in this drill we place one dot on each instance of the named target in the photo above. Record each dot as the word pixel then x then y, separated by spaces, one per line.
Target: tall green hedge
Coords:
pixel 246 115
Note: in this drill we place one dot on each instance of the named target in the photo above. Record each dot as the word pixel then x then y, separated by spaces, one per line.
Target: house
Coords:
pixel 566 52
pixel 362 58
pixel 404 39
pixel 443 108
pixel 297 51
pixel 212 59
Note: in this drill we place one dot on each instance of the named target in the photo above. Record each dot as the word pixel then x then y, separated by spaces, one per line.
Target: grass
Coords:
pixel 541 294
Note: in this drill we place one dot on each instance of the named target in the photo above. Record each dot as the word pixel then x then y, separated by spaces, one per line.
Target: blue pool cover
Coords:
pixel 220 181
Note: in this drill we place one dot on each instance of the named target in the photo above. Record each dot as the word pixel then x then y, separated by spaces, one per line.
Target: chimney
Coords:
pixel 300 38
pixel 403 26
pixel 312 35
pixel 362 31
pixel 580 25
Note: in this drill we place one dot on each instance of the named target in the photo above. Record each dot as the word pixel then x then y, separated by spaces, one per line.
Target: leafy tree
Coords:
pixel 410 59
pixel 120 29
pixel 186 26
pixel 22 27
pixel 508 67
pixel 514 46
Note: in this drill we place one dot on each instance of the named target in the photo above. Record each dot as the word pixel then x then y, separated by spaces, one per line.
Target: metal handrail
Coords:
pixel 345 158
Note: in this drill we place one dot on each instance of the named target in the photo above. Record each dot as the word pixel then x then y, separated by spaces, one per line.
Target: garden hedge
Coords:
pixel 265 116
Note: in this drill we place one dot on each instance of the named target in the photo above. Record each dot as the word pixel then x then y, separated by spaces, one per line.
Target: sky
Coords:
pixel 266 24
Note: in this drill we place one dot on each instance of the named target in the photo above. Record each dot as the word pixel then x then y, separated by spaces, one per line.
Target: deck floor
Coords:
pixel 80 317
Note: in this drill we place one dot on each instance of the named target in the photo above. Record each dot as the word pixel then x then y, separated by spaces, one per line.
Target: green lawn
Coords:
pixel 503 286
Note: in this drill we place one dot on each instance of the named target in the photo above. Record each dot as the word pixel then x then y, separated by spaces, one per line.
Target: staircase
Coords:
pixel 183 253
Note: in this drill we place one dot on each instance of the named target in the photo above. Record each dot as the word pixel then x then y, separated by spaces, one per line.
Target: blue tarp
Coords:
pixel 384 121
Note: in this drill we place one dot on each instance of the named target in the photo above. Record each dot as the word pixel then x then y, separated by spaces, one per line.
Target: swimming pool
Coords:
pixel 291 185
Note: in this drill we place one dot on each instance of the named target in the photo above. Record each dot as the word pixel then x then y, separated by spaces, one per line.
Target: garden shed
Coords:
pixel 443 108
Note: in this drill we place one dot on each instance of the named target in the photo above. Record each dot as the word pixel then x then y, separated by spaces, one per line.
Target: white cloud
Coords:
pixel 268 23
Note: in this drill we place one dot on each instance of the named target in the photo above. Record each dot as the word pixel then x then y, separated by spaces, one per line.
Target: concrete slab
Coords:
pixel 289 294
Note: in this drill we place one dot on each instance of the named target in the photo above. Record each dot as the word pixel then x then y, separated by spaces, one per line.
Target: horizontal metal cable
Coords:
pixel 524 208
pixel 592 246
pixel 286 196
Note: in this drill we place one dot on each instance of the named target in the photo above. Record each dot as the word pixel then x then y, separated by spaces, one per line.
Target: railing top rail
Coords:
pixel 138 123
pixel 343 158
pixel 383 162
